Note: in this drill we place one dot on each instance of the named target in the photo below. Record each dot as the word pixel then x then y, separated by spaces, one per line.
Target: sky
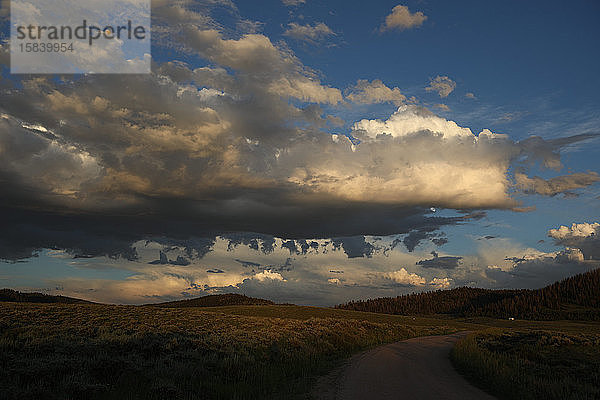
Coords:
pixel 310 152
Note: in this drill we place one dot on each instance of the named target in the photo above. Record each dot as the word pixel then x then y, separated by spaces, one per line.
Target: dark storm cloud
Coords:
pixel 445 262
pixel 164 260
pixel 101 234
pixel 92 164
pixel 536 272
pixel 488 237
pixel 248 264
pixel 355 246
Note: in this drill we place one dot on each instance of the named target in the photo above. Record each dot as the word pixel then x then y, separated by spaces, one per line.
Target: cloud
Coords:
pixel 215 271
pixel 309 33
pixel 553 186
pixel 403 277
pixel 232 266
pixel 470 95
pixel 443 107
pixel 268 275
pixel 584 236
pixel 441 283
pixel 374 92
pixel 401 19
pixel 444 262
pixel 535 271
pixel 291 3
pixel 442 85
pixel 238 144
pixel 547 152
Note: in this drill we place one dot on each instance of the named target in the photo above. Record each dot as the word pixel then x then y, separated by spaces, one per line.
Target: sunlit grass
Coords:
pixel 532 364
pixel 127 352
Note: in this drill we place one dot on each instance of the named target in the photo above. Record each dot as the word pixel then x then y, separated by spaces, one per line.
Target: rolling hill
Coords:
pixel 217 300
pixel 575 298
pixel 21 297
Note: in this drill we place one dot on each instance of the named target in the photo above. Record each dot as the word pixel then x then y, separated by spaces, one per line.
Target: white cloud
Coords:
pixel 440 283
pixel 442 85
pixel 409 120
pixel 584 236
pixel 575 231
pixel 403 277
pixel 401 18
pixel 268 275
pixel 470 96
pixel 309 33
pixel 409 159
pixel 291 3
pixel 374 92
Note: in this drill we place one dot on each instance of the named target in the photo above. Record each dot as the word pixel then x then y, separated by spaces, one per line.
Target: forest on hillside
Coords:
pixel 21 297
pixel 217 300
pixel 576 298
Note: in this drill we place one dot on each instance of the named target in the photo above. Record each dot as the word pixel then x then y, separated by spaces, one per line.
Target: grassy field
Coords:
pixel 559 360
pixel 93 351
pixel 77 351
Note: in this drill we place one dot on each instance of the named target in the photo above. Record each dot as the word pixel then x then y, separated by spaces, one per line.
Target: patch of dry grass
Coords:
pixel 127 352
pixel 532 364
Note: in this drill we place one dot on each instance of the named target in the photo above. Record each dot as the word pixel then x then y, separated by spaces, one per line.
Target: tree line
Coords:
pixel 576 298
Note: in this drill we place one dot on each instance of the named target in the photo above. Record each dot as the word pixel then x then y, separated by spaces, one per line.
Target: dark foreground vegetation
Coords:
pixel 526 364
pixel 237 347
pixel 575 298
pixel 77 351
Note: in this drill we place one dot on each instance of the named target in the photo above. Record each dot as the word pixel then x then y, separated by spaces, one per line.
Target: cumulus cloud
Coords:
pixel 553 186
pixel 373 92
pixel 268 275
pixel 237 144
pixel 538 270
pixel 433 150
pixel 442 85
pixel 403 277
pixel 401 19
pixel 309 33
pixel 441 283
pixel 584 236
pixel 470 95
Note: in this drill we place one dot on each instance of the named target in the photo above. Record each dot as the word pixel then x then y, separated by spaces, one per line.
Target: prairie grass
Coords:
pixel 79 351
pixel 532 364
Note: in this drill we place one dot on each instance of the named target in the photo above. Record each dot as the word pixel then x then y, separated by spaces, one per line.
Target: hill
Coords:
pixel 576 298
pixel 217 300
pixel 21 297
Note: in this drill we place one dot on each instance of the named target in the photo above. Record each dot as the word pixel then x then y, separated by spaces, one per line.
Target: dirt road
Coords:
pixel 414 369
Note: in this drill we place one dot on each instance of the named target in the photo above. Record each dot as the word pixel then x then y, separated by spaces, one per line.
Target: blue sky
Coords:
pixel 222 159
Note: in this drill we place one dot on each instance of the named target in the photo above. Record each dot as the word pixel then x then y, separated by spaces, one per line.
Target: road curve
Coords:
pixel 414 369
